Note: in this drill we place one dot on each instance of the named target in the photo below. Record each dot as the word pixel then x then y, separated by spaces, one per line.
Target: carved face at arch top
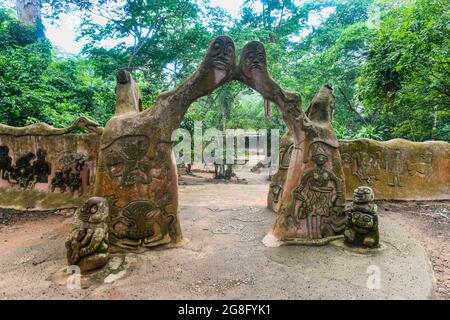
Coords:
pixel 221 54
pixel 319 156
pixel 253 57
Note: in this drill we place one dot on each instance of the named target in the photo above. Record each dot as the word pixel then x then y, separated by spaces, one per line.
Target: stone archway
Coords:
pixel 136 167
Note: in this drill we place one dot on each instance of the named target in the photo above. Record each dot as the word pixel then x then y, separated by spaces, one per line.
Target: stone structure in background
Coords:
pixel 87 244
pixel 362 220
pixel 136 165
pixel 396 169
pixel 311 132
pixel 42 167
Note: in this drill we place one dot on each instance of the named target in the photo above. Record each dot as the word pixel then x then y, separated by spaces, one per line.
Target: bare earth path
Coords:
pixel 225 259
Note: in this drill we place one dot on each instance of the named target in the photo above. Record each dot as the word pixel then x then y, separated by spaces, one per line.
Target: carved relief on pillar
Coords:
pixel 315 214
pixel 278 179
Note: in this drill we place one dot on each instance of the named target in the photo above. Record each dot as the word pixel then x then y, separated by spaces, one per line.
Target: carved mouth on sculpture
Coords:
pixel 221 64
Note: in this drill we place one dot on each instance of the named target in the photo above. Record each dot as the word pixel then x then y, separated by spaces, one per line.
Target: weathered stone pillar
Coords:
pixel 312 203
pixel 137 171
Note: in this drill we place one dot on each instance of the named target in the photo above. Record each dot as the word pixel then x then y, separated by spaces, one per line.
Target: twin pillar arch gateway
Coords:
pixel 137 174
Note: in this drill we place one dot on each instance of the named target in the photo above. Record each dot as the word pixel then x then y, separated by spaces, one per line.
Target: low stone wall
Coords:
pixel 44 171
pixel 398 169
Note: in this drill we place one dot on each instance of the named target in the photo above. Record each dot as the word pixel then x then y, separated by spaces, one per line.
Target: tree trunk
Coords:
pixel 28 11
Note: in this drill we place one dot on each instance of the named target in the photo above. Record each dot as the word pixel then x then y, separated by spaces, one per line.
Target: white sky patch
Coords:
pixel 233 7
pixel 315 19
pixel 63 34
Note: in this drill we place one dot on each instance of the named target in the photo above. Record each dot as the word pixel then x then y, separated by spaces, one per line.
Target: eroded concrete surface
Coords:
pixel 223 258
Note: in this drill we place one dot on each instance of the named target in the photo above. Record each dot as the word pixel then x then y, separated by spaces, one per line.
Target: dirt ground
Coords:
pixel 224 258
pixel 428 222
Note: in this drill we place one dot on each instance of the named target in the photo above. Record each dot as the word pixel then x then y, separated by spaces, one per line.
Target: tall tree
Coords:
pixel 406 80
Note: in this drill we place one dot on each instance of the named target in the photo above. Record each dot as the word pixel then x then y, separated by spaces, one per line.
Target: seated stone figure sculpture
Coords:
pixel 87 244
pixel 362 220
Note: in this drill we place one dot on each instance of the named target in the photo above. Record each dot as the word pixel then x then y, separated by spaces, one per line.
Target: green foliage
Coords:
pixel 405 83
pixel 387 60
pixel 35 87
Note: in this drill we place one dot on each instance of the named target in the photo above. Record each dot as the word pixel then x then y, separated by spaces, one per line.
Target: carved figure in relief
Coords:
pixel 320 195
pixel 395 169
pixel 5 162
pixel 423 166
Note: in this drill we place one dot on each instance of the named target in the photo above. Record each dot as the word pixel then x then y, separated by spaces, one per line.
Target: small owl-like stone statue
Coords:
pixel 87 244
pixel 362 220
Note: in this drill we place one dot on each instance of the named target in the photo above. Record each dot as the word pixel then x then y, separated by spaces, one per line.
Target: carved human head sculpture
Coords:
pixel 95 210
pixel 363 195
pixel 123 76
pixel 222 53
pixel 220 58
pixel 253 57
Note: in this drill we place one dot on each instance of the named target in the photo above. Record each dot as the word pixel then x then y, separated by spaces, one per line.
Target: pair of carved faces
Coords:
pixel 221 55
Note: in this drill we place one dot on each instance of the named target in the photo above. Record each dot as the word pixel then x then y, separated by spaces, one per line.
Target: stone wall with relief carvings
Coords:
pixel 398 169
pixel 40 172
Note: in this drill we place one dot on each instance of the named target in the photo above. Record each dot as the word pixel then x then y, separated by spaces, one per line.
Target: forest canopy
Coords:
pixel 387 60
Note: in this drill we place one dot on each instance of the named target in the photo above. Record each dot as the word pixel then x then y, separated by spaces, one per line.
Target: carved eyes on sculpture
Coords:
pixel 93 209
pixel 89 209
pixel 363 194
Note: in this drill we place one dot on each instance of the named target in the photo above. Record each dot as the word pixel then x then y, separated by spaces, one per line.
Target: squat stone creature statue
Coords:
pixel 362 220
pixel 136 167
pixel 87 244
